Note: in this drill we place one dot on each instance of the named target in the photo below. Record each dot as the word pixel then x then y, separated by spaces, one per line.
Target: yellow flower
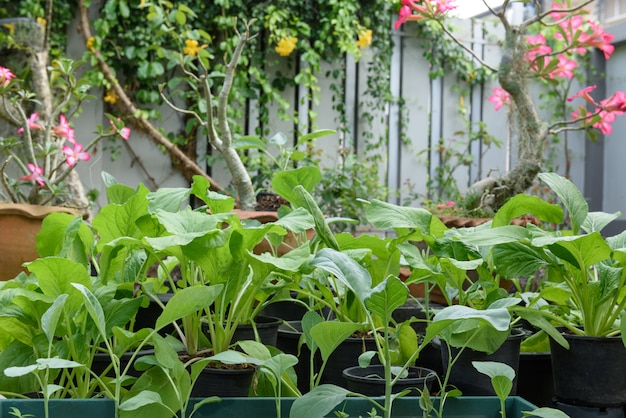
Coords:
pixel 111 97
pixel 10 27
pixel 286 46
pixel 90 42
pixel 41 21
pixel 365 39
pixel 191 47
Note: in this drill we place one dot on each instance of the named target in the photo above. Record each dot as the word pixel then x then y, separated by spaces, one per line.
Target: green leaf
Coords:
pixel 169 199
pixel 572 198
pixel 328 335
pixel 94 308
pixel 522 204
pixel 56 363
pixel 279 139
pixel 493 236
pixel 387 297
pixel 596 221
pixel 284 182
pixel 319 402
pixel 143 398
pixel 186 302
pixel 309 320
pixel 316 134
pixel 298 220
pixel 249 142
pixel 345 269
pixel 50 318
pixel 302 198
pixel 494 368
pixel 545 413
pixel 17 371
pixel 385 215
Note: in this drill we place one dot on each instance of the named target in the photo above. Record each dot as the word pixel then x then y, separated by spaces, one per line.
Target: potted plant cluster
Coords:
pixel 40 154
pixel 222 284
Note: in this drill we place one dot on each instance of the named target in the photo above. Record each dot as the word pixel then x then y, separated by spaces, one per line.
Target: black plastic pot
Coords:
pixel 469 380
pixel 146 317
pixel 288 339
pixel 534 378
pixel 225 383
pixel 267 329
pixel 370 380
pixel 102 360
pixel 346 355
pixel 578 411
pixel 591 373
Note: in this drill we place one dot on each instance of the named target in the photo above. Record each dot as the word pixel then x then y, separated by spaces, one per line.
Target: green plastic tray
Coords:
pixel 407 407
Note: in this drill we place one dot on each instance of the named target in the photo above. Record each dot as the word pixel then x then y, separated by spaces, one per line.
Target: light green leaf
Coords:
pixel 94 308
pixel 572 198
pixel 284 182
pixel 319 402
pixel 186 302
pixel 346 270
pixel 50 318
pixel 387 297
pixel 143 398
pixel 545 413
pixel 385 215
pixel 328 335
pixel 17 371
pixel 522 204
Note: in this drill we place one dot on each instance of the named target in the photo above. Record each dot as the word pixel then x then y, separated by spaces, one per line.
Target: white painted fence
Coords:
pixel 432 108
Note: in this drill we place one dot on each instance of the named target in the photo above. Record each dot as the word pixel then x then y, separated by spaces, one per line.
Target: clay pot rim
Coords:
pixel 36 211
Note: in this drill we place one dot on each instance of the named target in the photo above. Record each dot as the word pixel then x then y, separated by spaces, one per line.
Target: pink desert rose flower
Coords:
pixel 615 104
pixel 32 124
pixel 36 175
pixel 124 132
pixel 584 93
pixel 499 98
pixel 6 76
pixel 605 122
pixel 539 47
pixel 423 9
pixel 599 38
pixel 64 130
pixel 564 68
pixel 73 155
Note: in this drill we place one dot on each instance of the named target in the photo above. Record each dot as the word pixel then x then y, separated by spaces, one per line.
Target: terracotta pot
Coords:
pixel 19 225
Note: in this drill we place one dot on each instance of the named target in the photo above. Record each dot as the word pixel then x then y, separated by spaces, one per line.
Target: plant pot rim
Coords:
pixel 36 211
pixel 428 374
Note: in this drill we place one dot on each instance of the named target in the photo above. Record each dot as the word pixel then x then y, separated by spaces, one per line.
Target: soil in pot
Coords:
pixel 370 380
pixel 473 383
pixel 591 373
pixel 225 381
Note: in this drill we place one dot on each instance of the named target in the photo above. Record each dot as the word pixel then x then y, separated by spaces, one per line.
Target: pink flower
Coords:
pixel 499 98
pixel 36 175
pixel 605 122
pixel 564 68
pixel 64 130
pixel 6 76
pixel 445 5
pixel 584 93
pixel 32 124
pixel 405 11
pixel 72 156
pixel 615 104
pixel 599 38
pixel 124 132
pixel 539 47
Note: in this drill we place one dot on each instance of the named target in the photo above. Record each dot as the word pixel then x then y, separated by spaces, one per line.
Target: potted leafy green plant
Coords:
pixel 583 290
